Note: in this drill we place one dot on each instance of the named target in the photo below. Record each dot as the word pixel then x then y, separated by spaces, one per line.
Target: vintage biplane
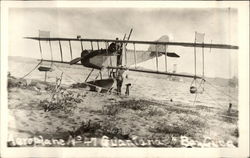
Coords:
pixel 115 56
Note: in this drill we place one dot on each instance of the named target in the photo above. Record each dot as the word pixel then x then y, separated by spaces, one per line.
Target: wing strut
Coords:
pixel 203 62
pixel 44 68
pixel 156 57
pixel 106 45
pixel 195 56
pixel 40 47
pixel 166 59
pixel 134 54
pixel 91 45
pixel 70 48
pixel 199 37
pixel 98 47
pixel 51 53
pixel 60 46
pixel 81 45
pixel 110 59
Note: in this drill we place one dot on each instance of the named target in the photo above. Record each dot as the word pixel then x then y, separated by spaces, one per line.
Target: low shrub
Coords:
pixel 64 100
pixel 97 129
pixel 112 109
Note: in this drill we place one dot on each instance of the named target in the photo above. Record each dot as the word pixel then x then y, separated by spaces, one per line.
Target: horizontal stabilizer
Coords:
pixel 171 54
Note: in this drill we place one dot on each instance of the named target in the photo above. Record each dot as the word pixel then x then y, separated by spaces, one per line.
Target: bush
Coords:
pixel 13 82
pixel 155 110
pixel 166 128
pixel 65 100
pixel 135 104
pixel 112 109
pixel 97 129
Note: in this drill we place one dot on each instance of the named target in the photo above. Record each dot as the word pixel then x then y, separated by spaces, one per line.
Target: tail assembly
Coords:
pixel 160 48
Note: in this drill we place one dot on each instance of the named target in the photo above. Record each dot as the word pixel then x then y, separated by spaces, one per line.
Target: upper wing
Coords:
pixel 138 56
pixel 184 44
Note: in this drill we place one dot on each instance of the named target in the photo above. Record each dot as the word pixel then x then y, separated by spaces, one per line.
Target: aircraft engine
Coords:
pixel 113 47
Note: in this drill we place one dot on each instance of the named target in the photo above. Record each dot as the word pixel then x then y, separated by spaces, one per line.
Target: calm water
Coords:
pixel 144 85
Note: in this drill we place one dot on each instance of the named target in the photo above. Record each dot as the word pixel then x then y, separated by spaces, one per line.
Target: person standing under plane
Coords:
pixel 119 72
pixel 119 79
pixel 127 88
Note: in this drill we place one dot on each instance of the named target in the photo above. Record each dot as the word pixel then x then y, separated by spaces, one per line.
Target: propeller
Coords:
pixel 76 60
pixel 124 49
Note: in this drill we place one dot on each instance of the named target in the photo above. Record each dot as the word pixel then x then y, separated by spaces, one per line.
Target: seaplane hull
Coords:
pixel 102 86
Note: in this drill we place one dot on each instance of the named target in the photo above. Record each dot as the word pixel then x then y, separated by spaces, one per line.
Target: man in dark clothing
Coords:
pixel 119 80
pixel 119 85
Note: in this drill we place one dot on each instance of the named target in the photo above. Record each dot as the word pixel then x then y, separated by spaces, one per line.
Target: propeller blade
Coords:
pixel 129 35
pixel 124 37
pixel 76 60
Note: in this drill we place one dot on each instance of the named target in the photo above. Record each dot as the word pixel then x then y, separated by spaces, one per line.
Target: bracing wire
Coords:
pixel 196 94
pixel 31 70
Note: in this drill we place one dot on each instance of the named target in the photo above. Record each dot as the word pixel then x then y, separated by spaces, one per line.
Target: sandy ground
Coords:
pixel 91 114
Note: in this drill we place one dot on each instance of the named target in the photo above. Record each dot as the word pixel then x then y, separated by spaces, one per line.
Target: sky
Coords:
pixel 219 26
